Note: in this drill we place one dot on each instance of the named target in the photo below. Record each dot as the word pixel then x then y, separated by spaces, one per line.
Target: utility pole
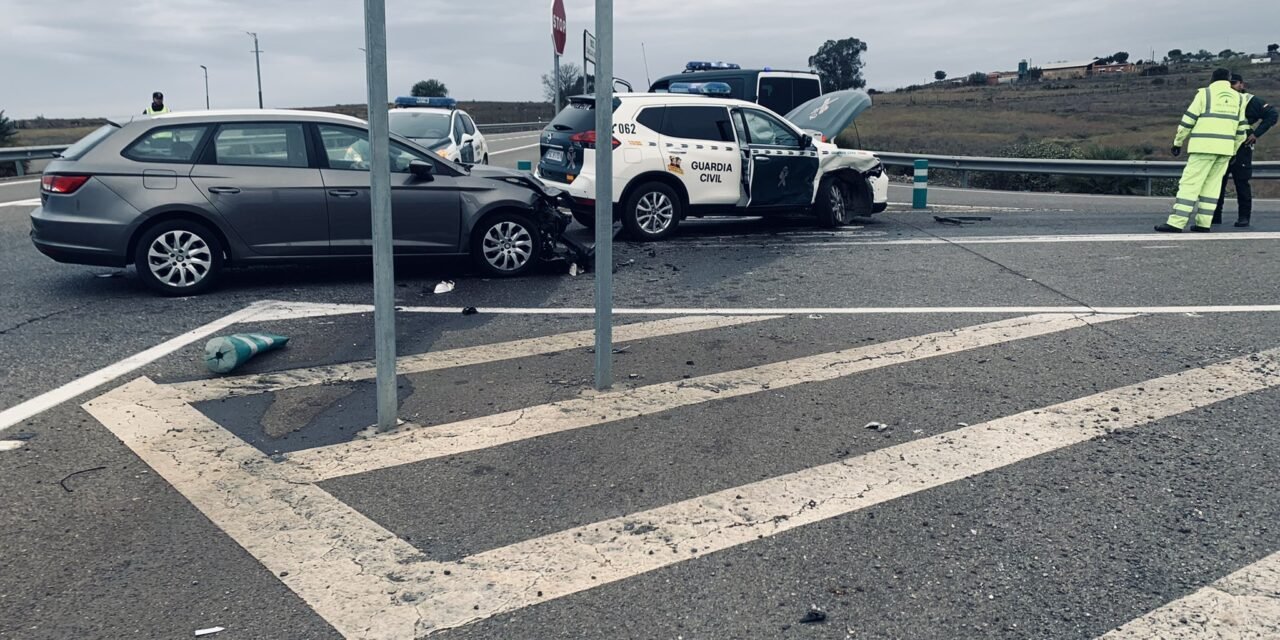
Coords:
pixel 206 87
pixel 257 62
pixel 604 195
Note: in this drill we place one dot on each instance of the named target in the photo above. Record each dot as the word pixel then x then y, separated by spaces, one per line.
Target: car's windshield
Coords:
pixel 420 125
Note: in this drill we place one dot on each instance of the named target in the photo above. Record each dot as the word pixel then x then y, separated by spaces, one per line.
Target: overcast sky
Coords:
pixel 105 57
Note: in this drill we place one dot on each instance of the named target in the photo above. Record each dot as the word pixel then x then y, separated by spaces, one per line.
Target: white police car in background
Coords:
pixel 692 152
pixel 437 124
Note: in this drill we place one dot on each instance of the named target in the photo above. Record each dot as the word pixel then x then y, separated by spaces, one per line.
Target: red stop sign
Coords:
pixel 559 26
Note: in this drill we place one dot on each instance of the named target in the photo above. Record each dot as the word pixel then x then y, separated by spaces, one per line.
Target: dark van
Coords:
pixel 778 91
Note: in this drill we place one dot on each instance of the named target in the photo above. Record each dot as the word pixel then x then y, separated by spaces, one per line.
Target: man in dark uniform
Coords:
pixel 1261 117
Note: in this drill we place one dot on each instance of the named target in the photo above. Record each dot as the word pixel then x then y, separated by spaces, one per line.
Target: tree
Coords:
pixel 978 78
pixel 1175 54
pixel 839 64
pixel 1121 57
pixel 429 89
pixel 1272 48
pixel 571 82
pixel 1226 54
pixel 939 75
pixel 8 130
pixel 1203 55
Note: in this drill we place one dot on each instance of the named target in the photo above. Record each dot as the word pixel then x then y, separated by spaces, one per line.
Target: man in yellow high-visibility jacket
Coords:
pixel 157 105
pixel 1213 129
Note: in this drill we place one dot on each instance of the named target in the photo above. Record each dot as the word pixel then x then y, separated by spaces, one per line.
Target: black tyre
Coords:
pixel 832 205
pixel 506 245
pixel 179 258
pixel 652 212
pixel 585 218
pixel 486 158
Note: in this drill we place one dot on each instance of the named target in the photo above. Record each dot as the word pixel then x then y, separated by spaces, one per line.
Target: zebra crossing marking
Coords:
pixel 368 583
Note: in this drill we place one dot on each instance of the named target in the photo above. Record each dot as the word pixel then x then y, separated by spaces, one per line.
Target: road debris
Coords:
pixel 224 353
pixel 208 632
pixel 445 286
pixel 959 220
pixel 10 445
pixel 574 270
pixel 109 274
pixel 63 482
pixel 469 311
pixel 814 615
pixel 879 427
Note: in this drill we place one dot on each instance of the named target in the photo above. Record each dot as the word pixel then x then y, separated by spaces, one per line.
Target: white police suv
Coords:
pixel 693 152
pixel 438 124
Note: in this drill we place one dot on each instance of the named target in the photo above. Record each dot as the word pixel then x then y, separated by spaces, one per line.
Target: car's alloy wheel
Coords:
pixel 507 246
pixel 832 207
pixel 179 258
pixel 655 212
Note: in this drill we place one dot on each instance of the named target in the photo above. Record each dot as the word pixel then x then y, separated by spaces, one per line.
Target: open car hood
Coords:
pixel 832 113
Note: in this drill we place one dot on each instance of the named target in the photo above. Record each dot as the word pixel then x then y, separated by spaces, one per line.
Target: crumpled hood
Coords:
pixel 515 177
pixel 832 113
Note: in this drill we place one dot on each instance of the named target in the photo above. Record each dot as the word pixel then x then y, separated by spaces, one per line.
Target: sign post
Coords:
pixel 604 196
pixel 588 61
pixel 384 287
pixel 559 35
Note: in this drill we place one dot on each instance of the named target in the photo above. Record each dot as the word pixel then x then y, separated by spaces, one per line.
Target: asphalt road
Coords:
pixel 1064 450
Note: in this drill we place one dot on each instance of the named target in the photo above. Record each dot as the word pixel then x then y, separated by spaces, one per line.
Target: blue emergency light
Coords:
pixel 698 65
pixel 702 88
pixel 435 103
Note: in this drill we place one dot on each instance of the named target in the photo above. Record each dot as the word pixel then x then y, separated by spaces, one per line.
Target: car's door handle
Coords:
pixel 762 158
pixel 221 190
pixel 344 193
pixel 677 152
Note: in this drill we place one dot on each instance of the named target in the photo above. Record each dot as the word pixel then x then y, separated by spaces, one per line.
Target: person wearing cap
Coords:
pixel 1261 117
pixel 1213 128
pixel 157 105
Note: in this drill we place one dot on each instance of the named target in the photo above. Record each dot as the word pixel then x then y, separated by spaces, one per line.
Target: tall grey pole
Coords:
pixel 384 310
pixel 206 87
pixel 604 194
pixel 257 62
pixel 556 62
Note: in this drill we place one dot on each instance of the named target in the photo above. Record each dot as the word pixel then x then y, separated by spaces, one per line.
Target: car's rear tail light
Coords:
pixel 62 184
pixel 588 139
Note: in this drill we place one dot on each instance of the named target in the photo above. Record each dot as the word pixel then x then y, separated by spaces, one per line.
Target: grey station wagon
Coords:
pixel 183 195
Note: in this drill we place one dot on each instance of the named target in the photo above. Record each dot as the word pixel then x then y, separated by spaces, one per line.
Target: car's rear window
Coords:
pixel 579 115
pixel 420 125
pixel 85 144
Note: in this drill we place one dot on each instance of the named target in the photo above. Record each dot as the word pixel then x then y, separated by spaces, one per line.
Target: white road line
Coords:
pixel 50 399
pixel 527 146
pixel 1245 604
pixel 228 387
pixel 358 576
pixel 581 558
pixel 345 566
pixel 414 443
pixel 1041 239
pixel 289 311
pixel 21 203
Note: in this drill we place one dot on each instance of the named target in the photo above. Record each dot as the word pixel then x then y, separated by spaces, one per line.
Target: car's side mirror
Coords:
pixel 806 141
pixel 422 170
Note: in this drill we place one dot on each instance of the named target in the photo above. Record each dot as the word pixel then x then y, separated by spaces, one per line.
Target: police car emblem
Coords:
pixel 782 177
pixel 826 106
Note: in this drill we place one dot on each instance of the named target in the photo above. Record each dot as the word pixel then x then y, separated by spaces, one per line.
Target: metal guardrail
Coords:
pixel 511 127
pixel 20 155
pixel 1141 169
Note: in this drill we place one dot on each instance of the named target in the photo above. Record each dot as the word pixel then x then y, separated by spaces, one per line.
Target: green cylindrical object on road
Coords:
pixel 225 353
pixel 524 165
pixel 920 197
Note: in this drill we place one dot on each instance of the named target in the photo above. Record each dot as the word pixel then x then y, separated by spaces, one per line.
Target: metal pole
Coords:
pixel 257 62
pixel 206 87
pixel 604 195
pixel 384 321
pixel 556 62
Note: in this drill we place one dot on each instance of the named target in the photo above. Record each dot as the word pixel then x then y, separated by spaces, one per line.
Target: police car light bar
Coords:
pixel 437 103
pixel 702 88
pixel 709 66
